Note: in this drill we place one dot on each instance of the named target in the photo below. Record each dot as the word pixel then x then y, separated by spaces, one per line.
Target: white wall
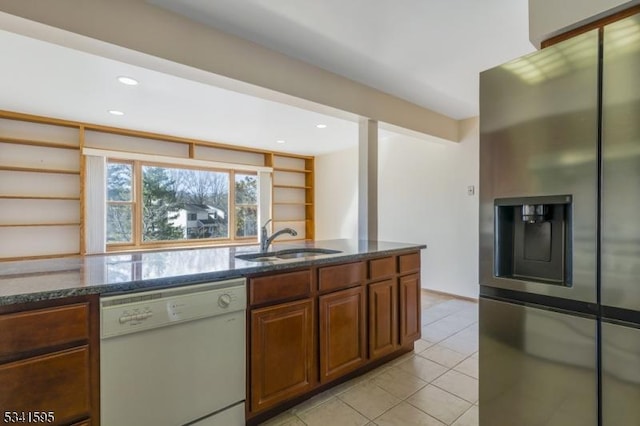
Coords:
pixel 548 18
pixel 422 198
pixel 336 195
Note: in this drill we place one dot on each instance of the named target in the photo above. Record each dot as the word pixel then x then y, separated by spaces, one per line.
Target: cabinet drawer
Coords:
pixel 409 262
pixel 277 287
pixel 23 332
pixel 382 268
pixel 340 276
pixel 57 382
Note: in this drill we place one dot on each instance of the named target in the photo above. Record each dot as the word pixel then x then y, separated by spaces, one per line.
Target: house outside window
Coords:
pixel 176 205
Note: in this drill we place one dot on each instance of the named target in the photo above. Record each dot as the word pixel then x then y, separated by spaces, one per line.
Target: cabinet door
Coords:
pixel 342 332
pixel 281 353
pixel 409 308
pixel 383 318
pixel 58 382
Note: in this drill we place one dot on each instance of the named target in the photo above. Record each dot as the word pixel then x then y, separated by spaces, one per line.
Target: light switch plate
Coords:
pixel 471 190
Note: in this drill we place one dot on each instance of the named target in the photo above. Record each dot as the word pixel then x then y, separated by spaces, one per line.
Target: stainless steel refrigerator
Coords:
pixel 560 234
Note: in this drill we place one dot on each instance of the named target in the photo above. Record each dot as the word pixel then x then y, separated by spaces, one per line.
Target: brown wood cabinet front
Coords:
pixel 342 332
pixel 34 330
pixel 57 383
pixel 410 325
pixel 279 287
pixel 282 353
pixel 384 267
pixel 346 316
pixel 49 359
pixel 383 318
pixel 340 276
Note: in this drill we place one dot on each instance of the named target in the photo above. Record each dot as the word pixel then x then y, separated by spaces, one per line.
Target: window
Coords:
pixel 246 208
pixel 119 203
pixel 176 205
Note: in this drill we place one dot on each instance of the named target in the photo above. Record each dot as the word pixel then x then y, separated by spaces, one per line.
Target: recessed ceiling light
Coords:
pixel 128 80
pixel 321 126
pixel 279 141
pixel 115 112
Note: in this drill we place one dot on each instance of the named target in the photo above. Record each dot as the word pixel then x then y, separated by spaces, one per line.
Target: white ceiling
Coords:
pixel 426 51
pixel 46 79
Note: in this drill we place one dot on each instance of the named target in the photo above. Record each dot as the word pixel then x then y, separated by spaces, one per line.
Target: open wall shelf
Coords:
pixel 40 193
pixel 42 173
pixel 293 196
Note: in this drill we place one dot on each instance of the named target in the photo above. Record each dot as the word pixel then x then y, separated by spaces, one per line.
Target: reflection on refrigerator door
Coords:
pixel 537 367
pixel 620 375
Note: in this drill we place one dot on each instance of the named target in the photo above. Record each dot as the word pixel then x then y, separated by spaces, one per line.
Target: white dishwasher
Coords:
pixel 174 356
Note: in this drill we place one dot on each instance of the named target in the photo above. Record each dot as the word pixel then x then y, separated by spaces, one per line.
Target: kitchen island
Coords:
pixel 47 279
pixel 324 317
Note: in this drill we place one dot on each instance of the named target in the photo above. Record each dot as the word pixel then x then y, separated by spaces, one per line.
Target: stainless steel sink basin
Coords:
pixel 258 257
pixel 275 256
pixel 307 252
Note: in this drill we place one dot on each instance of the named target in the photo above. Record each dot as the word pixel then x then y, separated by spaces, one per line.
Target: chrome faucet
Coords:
pixel 266 241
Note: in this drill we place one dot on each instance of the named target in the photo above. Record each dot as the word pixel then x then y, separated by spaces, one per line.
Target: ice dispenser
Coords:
pixel 533 239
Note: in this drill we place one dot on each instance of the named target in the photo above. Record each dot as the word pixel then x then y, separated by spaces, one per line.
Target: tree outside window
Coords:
pixel 246 200
pixel 119 203
pixel 178 204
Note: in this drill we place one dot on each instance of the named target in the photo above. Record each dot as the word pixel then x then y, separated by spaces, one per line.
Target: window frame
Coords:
pixel 138 242
pixel 132 203
pixel 257 205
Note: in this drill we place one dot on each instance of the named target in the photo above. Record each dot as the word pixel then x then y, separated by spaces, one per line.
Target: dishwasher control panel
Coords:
pixel 133 312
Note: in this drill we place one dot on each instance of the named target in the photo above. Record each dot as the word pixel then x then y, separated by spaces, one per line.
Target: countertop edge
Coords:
pixel 197 278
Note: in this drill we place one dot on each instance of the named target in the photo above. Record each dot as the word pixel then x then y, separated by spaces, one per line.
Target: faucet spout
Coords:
pixel 266 241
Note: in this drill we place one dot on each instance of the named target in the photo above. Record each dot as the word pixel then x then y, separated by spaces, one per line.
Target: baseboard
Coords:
pixel 457 296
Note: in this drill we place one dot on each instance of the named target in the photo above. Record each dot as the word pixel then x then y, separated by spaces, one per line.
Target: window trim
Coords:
pixel 257 205
pixel 263 174
pixel 174 161
pixel 138 242
pixel 132 203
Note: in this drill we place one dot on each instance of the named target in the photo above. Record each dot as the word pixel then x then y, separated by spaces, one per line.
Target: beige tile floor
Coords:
pixel 435 385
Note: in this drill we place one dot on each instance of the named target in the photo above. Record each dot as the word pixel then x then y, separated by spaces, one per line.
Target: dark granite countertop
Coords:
pixel 35 280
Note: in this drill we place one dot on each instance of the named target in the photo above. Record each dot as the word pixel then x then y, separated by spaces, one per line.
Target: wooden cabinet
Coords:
pixel 384 267
pixel 49 359
pixel 312 327
pixel 410 324
pixel 279 287
pixel 282 353
pixel 58 382
pixel 409 263
pixel 342 332
pixel 337 277
pixel 383 318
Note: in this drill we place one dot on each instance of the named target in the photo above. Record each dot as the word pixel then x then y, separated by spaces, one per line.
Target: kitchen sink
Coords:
pixel 275 256
pixel 258 257
pixel 306 252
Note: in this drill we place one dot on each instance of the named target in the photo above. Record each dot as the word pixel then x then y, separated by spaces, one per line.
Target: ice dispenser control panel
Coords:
pixel 533 239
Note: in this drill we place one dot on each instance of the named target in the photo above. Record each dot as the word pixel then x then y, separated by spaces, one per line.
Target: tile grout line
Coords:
pixel 410 356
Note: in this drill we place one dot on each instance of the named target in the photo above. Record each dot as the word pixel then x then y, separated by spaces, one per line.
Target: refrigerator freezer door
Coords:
pixel 620 375
pixel 537 367
pixel 539 137
pixel 621 165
